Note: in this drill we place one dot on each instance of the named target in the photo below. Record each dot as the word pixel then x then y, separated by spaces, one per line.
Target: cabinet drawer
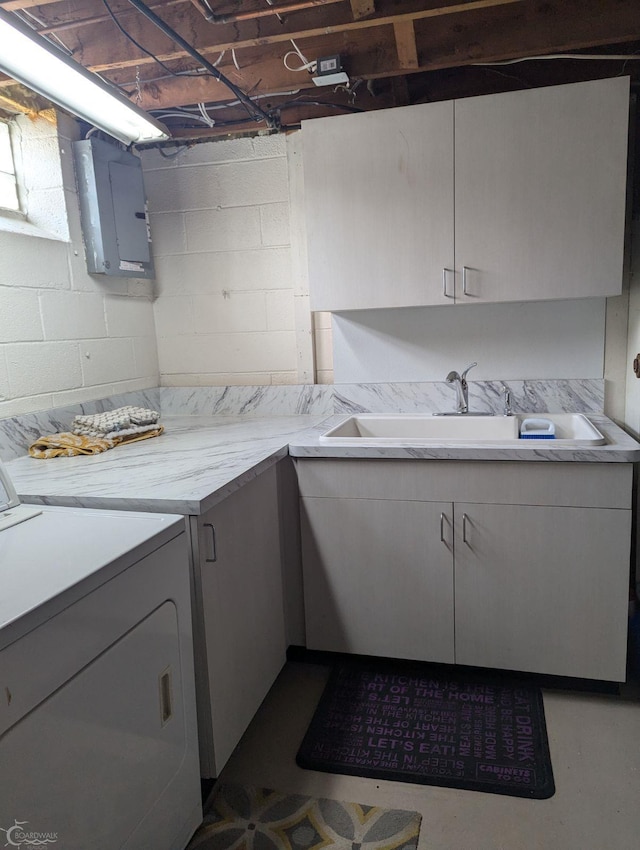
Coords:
pixel 605 485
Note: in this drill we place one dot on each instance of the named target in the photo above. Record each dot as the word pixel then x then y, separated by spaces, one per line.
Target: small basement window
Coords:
pixel 8 188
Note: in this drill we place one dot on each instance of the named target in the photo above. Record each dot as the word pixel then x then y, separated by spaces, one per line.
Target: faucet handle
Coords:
pixel 470 366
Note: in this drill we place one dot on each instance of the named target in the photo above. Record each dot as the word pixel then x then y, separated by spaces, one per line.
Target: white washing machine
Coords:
pixel 98 739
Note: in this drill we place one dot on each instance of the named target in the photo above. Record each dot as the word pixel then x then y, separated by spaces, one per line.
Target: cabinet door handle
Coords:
pixel 166 696
pixel 442 540
pixel 464 529
pixel 465 269
pixel 214 553
pixel 445 271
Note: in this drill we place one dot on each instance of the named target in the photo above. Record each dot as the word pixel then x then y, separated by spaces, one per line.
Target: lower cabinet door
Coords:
pixel 378 577
pixel 241 587
pixel 542 589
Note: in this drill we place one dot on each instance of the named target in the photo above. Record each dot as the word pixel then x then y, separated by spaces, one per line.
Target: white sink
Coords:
pixel 394 427
pixel 426 429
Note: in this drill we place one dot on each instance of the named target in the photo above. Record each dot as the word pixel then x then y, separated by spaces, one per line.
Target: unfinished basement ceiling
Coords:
pixel 395 52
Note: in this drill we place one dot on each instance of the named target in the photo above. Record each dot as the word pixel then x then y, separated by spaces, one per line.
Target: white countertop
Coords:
pixel 619 448
pixel 196 463
pixel 199 460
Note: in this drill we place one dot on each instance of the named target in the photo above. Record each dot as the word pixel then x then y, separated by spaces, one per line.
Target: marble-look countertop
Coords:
pixel 619 448
pixel 200 460
pixel 196 463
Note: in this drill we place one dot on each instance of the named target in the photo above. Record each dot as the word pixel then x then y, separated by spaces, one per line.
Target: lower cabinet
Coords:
pixel 377 578
pixel 542 589
pixel 532 586
pixel 238 594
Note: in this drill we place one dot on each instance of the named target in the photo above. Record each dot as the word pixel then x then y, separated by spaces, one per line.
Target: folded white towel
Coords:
pixel 121 421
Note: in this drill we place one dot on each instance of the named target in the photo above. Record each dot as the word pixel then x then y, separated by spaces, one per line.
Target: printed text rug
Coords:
pixel 242 818
pixel 410 725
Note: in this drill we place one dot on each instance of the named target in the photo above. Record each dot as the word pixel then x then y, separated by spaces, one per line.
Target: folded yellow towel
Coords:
pixel 66 444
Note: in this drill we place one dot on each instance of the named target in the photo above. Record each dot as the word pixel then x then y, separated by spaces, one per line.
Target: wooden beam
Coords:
pixel 261 72
pixel 17 98
pixel 521 30
pixel 443 44
pixel 258 78
pixel 405 36
pixel 15 106
pixel 102 49
pixel 362 8
pixel 250 14
pixel 200 7
pixel 262 11
pixel 83 13
pixel 536 29
pixel 80 22
pixel 16 5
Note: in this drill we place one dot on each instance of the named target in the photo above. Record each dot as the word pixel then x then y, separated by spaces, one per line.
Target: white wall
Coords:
pixel 65 336
pixel 220 219
pixel 559 339
pixel 581 338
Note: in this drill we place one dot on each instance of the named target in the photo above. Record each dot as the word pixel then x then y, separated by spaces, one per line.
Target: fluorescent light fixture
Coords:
pixel 36 63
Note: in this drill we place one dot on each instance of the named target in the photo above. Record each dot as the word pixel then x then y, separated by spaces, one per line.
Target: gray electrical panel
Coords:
pixel 113 210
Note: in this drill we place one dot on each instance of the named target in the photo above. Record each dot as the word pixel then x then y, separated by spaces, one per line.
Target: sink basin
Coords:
pixel 425 429
pixel 394 427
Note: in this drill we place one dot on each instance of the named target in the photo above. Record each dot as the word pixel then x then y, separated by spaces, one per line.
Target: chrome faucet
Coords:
pixel 507 400
pixel 462 388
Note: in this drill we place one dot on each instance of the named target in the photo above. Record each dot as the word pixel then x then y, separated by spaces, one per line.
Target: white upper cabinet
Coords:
pixel 529 186
pixel 540 188
pixel 379 207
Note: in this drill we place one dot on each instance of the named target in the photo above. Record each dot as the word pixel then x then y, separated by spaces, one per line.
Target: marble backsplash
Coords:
pixel 559 396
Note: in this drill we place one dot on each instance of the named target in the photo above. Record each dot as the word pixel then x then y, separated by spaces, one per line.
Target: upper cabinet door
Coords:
pixel 540 180
pixel 379 208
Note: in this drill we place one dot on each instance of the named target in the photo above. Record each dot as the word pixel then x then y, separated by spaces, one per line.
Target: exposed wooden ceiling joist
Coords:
pixel 226 18
pixel 405 36
pixel 405 45
pixel 362 8
pixel 16 5
pixel 259 72
pixel 441 44
pixel 99 50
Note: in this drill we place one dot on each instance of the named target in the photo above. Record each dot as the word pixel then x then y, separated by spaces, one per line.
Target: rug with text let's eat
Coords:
pixel 408 724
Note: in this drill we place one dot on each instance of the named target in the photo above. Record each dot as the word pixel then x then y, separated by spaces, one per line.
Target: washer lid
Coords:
pixel 11 511
pixel 8 496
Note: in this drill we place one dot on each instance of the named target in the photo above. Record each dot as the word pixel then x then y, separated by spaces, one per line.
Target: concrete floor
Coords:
pixel 595 751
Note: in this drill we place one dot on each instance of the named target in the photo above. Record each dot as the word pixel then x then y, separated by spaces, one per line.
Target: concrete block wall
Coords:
pixel 65 336
pixel 231 299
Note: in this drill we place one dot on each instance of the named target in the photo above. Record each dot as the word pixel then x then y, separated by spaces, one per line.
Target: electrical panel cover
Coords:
pixel 113 209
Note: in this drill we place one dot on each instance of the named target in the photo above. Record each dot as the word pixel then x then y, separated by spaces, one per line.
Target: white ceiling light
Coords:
pixel 39 65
